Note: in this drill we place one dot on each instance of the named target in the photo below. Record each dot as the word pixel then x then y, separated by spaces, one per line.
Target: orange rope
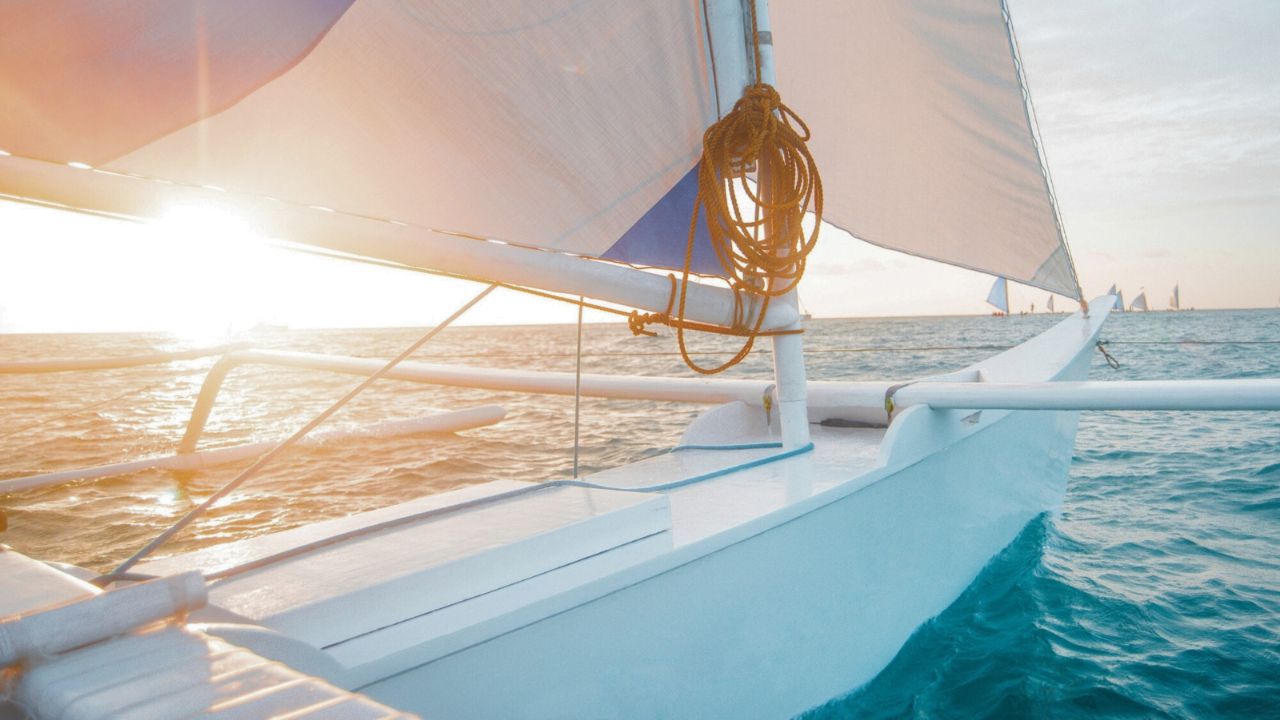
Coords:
pixel 763 247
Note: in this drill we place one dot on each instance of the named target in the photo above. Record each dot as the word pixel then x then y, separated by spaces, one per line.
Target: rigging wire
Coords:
pixel 577 395
pixel 263 461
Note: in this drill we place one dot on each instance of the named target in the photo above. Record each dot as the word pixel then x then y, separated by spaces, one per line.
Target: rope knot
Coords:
pixel 638 322
pixel 761 99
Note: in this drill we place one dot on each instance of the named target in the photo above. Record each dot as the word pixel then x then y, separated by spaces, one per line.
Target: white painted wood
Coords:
pixel 332 594
pixel 170 672
pixel 552 383
pixel 55 630
pixel 27 585
pixel 1236 395
pixel 788 350
pixel 448 421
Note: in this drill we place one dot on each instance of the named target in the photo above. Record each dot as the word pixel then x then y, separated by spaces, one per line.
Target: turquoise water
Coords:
pixel 1155 592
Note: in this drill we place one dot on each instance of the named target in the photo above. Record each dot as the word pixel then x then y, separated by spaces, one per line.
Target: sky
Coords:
pixel 1159 120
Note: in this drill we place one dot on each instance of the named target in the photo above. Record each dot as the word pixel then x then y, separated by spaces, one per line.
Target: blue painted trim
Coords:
pixel 747 446
pixel 687 481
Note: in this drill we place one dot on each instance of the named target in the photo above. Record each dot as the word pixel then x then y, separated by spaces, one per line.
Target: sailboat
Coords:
pixel 1140 302
pixel 1119 296
pixel 1049 305
pixel 1175 300
pixel 781 554
pixel 998 297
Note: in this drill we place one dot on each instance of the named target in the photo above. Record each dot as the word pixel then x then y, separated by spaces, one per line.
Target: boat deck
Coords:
pixel 437 574
pixel 756 488
pixel 159 670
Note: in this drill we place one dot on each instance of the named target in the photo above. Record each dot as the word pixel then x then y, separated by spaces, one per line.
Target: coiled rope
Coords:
pixel 760 243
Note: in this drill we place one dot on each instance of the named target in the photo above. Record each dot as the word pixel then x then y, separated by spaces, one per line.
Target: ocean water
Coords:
pixel 1155 592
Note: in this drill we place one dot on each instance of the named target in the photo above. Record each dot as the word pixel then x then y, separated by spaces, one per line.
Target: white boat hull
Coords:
pixel 805 606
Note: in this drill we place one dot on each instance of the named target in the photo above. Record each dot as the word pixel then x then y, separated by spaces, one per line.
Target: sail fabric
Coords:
pixel 1140 302
pixel 1050 303
pixel 999 295
pixel 559 125
pixel 922 132
pixel 80 83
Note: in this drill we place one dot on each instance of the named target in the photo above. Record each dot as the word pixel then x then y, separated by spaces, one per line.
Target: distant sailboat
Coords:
pixel 1050 305
pixel 999 295
pixel 804 311
pixel 1140 302
pixel 1175 300
pixel 1119 297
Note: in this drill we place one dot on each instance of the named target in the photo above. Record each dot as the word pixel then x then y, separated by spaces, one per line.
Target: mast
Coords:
pixel 788 350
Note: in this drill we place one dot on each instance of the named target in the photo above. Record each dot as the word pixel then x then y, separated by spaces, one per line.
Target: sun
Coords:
pixel 203 273
pixel 219 272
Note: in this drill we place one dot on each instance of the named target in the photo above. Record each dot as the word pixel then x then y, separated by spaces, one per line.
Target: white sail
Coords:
pixel 1050 303
pixel 923 133
pixel 1119 297
pixel 999 295
pixel 1140 302
pixel 1175 300
pixel 364 125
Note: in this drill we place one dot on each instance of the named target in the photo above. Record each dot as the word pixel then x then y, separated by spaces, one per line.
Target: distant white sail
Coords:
pixel 999 295
pixel 1120 300
pixel 1140 302
pixel 1175 300
pixel 1050 303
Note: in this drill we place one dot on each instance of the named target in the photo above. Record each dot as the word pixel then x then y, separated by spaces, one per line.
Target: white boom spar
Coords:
pixel 1191 395
pixel 396 242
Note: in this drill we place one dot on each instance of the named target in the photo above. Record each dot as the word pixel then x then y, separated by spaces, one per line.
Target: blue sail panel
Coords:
pixel 659 238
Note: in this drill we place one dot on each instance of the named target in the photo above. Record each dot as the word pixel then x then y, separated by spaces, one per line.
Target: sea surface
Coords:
pixel 1154 592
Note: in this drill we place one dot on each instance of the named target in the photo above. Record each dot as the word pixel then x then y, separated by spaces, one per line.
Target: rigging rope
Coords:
pixel 761 244
pixel 1102 348
pixel 252 470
